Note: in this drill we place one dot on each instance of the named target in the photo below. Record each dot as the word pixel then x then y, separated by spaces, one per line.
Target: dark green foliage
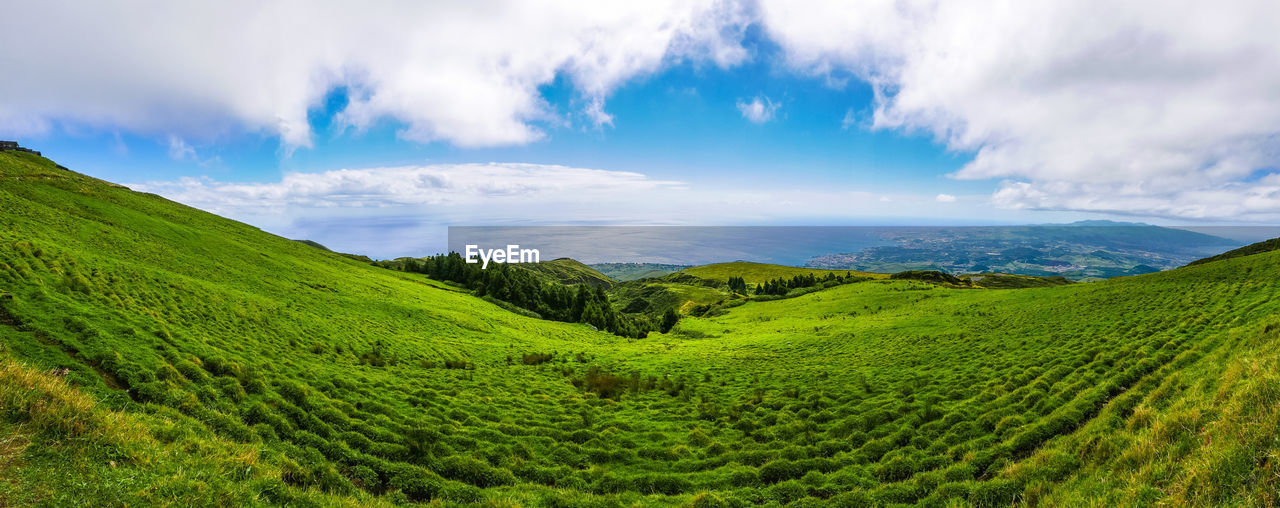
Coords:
pixel 584 303
pixel 669 320
pixel 929 276
pixel 783 287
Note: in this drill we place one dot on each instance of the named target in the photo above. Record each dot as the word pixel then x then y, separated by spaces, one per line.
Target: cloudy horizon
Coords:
pixel 295 116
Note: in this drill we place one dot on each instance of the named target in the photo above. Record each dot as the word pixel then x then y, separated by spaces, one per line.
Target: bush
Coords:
pixel 461 493
pixel 896 469
pixel 856 498
pixel 366 478
pixel 787 492
pixel 780 470
pixel 995 493
pixel 708 500
pixel 415 483
pixel 474 472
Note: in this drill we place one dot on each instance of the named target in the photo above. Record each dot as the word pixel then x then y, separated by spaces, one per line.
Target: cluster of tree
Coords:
pixel 929 276
pixel 738 285
pixel 519 287
pixel 780 286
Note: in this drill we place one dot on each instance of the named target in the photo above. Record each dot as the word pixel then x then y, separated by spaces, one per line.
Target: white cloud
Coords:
pixel 1253 201
pixel 179 149
pixel 1172 107
pixel 849 120
pixel 466 73
pixel 945 198
pixel 759 110
pixel 396 211
pixel 445 184
pixel 1134 103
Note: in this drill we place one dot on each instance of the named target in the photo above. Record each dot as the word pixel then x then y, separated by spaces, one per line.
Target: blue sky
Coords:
pixel 680 123
pixel 408 118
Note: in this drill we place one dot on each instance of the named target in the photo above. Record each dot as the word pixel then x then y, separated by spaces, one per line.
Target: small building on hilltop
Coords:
pixel 6 146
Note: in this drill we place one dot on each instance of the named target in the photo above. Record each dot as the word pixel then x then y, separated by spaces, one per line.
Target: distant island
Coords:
pixel 1084 250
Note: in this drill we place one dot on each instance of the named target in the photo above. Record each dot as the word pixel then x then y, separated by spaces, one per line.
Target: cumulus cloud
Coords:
pixel 1172 107
pixel 1089 105
pixel 444 184
pixel 466 73
pixel 945 198
pixel 395 211
pixel 759 110
pixel 1256 201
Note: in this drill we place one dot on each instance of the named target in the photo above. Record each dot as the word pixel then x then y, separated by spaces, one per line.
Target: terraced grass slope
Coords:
pixel 338 382
pixel 755 273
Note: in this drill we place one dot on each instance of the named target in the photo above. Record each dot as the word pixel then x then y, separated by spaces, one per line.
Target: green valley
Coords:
pixel 153 353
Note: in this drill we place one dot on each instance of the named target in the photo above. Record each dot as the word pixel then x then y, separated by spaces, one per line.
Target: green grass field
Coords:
pixel 209 363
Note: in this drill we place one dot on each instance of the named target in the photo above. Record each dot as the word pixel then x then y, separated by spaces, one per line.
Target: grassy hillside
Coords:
pixel 217 364
pixel 1248 250
pixel 755 273
pixel 568 271
pixel 672 291
pixel 636 271
pixel 1010 281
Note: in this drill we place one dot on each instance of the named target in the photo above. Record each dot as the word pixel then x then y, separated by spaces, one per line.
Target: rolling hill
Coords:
pixel 635 271
pixel 157 354
pixel 755 273
pixel 568 271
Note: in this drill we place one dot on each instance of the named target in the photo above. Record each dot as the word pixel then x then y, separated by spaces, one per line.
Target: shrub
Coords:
pixel 787 492
pixel 896 469
pixel 366 478
pixel 668 484
pixel 856 498
pixel 415 483
pixel 461 493
pixel 780 470
pixel 995 493
pixel 708 500
pixel 474 472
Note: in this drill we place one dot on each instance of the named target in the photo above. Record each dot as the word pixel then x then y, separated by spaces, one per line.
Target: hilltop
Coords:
pixel 157 354
pixel 568 271
pixel 755 273
pixel 635 271
pixel 1248 250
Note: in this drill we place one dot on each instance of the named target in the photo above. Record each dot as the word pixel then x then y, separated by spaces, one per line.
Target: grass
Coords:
pixel 217 364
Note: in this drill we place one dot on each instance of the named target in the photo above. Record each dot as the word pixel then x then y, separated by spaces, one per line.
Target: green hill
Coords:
pixel 635 271
pixel 210 363
pixel 1248 250
pixel 568 271
pixel 755 273
pixel 1011 281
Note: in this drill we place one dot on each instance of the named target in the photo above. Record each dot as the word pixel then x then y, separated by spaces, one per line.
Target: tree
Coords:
pixel 669 320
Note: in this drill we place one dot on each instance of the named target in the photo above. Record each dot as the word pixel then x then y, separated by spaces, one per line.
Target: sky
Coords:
pixel 371 128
